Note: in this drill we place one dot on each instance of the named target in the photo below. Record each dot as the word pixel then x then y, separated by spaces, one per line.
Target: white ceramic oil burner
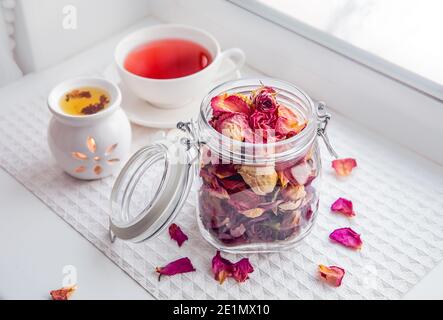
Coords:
pixel 91 146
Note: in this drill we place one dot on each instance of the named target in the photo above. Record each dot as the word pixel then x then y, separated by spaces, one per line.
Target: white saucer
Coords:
pixel 145 114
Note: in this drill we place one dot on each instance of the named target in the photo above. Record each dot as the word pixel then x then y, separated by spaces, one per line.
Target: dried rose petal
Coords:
pixel 264 99
pixel 223 171
pixel 301 173
pixel 332 275
pixel 241 270
pixel 245 200
pixel 233 125
pixel 229 103
pixel 282 177
pixel 343 206
pixel 238 231
pixel 262 180
pixel 182 265
pixel 63 293
pixel 287 124
pixel 233 186
pixel 212 186
pixel 347 237
pixel 253 213
pixel 177 234
pixel 291 220
pixel 294 192
pixel 263 124
pixel 344 167
pixel 223 268
pixel 290 205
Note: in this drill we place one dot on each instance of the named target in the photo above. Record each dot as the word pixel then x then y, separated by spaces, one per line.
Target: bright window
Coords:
pixel 406 33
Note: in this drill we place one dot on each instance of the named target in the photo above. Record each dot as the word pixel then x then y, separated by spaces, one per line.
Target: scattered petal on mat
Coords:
pixel 347 237
pixel 344 167
pixel 223 268
pixel 332 275
pixel 343 206
pixel 63 293
pixel 177 234
pixel 182 265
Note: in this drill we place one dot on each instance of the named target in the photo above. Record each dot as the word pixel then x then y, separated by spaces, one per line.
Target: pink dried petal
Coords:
pixel 344 167
pixel 347 237
pixel 229 103
pixel 223 171
pixel 287 124
pixel 263 120
pixel 221 268
pixel 238 231
pixel 283 178
pixel 212 186
pixel 293 193
pixel 300 173
pixel 233 125
pixel 177 234
pixel 217 191
pixel 241 270
pixel 182 265
pixel 63 293
pixel 233 186
pixel 332 275
pixel 245 200
pixel 344 206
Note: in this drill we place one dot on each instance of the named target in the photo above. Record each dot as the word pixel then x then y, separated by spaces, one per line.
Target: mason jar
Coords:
pixel 250 196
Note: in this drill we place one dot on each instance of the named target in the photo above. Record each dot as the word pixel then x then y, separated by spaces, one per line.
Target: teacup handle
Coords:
pixel 237 56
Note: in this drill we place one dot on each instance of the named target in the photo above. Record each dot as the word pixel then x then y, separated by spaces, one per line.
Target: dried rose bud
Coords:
pixel 177 234
pixel 233 125
pixel 344 167
pixel 63 293
pixel 344 206
pixel 347 237
pixel 263 124
pixel 332 275
pixel 182 265
pixel 264 99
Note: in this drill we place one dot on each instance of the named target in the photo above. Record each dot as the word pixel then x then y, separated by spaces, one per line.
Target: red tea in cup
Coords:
pixel 167 59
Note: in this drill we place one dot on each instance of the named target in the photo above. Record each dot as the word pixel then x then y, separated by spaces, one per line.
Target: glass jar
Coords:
pixel 251 197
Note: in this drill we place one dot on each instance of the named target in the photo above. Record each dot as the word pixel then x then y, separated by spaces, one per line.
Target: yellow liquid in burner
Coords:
pixel 84 101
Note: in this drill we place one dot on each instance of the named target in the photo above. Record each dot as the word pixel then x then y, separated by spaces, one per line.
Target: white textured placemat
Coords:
pixel 397 195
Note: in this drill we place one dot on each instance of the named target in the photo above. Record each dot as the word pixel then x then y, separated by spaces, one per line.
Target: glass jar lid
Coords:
pixel 150 190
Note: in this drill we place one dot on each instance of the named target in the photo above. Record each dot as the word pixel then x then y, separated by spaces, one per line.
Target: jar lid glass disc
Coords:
pixel 150 190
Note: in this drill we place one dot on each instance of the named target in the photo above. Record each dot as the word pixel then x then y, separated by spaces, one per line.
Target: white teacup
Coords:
pixel 177 92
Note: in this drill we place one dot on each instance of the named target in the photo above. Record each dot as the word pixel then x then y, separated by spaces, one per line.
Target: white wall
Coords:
pixel 42 39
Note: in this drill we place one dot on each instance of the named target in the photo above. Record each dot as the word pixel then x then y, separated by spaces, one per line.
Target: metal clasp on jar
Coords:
pixel 324 117
pixel 192 141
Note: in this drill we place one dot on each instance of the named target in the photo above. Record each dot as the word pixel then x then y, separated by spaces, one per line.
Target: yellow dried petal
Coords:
pixel 262 180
